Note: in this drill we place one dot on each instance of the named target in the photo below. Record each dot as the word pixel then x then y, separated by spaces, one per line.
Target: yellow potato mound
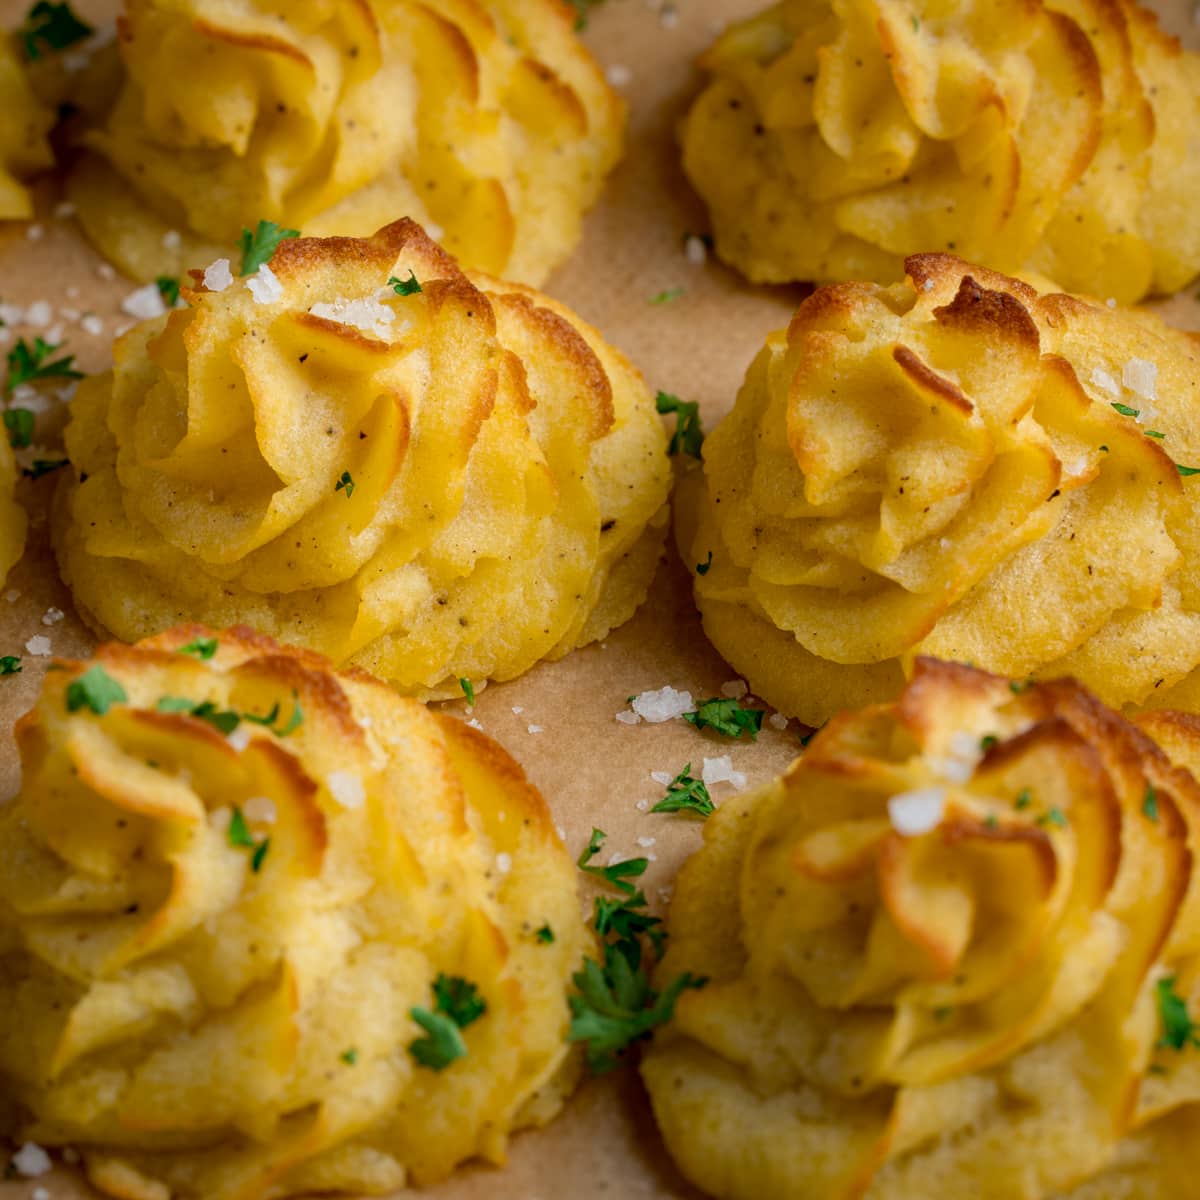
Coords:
pixel 953 952
pixel 488 119
pixel 833 139
pixel 956 466
pixel 453 483
pixel 230 877
pixel 24 149
pixel 12 515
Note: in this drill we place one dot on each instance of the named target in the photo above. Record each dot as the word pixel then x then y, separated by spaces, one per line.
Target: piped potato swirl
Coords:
pixel 453 482
pixel 230 882
pixel 954 950
pixel 959 466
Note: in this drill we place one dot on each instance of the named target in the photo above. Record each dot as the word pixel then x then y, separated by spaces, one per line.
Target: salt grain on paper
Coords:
pixel 777 721
pixel 145 304
pixel 735 689
pixel 91 324
pixel 642 806
pixel 38 646
pixel 619 75
pixel 628 718
pixel 665 704
pixel 218 276
pixel 646 842
pixel 346 788
pixel 52 616
pixel 695 251
pixel 106 272
pixel 264 286
pixel 474 724
pixel 663 777
pixel 720 770
pixel 34 233
pixel 39 314
pixel 917 812
pixel 40 1193
pixel 536 729
pixel 31 1161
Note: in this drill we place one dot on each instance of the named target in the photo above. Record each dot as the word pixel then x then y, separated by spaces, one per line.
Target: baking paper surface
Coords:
pixel 591 768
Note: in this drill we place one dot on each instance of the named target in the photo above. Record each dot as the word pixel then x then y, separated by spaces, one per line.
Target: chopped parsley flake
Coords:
pixel 1154 433
pixel 704 567
pixel 457 1004
pixel 406 287
pixel 545 934
pixel 168 288
pixel 1125 410
pixel 44 466
pixel 202 648
pixel 347 483
pixel 615 875
pixel 614 1005
pixel 95 689
pixel 51 27
pixel 19 423
pixel 10 664
pixel 1179 1030
pixel 239 832
pixel 27 363
pixel 688 436
pixel 685 794
pixel 1017 686
pixel 668 297
pixel 259 247
pixel 256 859
pixel 349 1057
pixel 583 9
pixel 1186 471
pixel 988 741
pixel 1150 803
pixel 1025 799
pixel 222 720
pixel 468 690
pixel 1055 817
pixel 726 717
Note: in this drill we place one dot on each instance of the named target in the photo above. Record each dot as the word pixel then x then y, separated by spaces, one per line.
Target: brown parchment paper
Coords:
pixel 591 769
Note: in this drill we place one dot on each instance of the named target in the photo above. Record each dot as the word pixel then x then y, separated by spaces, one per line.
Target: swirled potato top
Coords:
pixel 834 138
pixel 954 951
pixel 957 466
pixel 231 881
pixel 12 515
pixel 487 119
pixel 455 482
pixel 24 149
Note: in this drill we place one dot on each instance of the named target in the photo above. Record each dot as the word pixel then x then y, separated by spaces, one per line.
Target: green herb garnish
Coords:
pixel 668 297
pixel 617 874
pixel 95 689
pixel 988 741
pixel 688 436
pixel 1150 803
pixel 1179 1030
pixel 406 287
pixel 238 832
pixel 168 288
pixel 545 934
pixel 27 363
pixel 1025 799
pixel 685 794
pixel 260 852
pixel 1186 471
pixel 349 1057
pixel 457 1004
pixel 726 717
pixel 1125 410
pixel 19 423
pixel 346 483
pixel 10 664
pixel 1055 817
pixel 259 247
pixel 44 466
pixel 704 567
pixel 51 27
pixel 202 648
pixel 468 690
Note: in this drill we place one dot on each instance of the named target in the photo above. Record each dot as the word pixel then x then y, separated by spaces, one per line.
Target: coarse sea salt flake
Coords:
pixel 642 805
pixel 503 863
pixel 31 1161
pixel 695 251
pixel 218 276
pixel 264 286
pixel 536 729
pixel 629 718
pixel 619 75
pixel 917 812
pixel 52 616
pixel 40 1193
pixel 665 704
pixel 646 842
pixel 777 721
pixel 38 646
pixel 261 809
pixel 735 689
pixel 240 738
pixel 91 324
pixel 1105 382
pixel 346 788
pixel 720 770
pixel 1140 376
pixel 39 314
pixel 663 777
pixel 145 304
pixel 367 315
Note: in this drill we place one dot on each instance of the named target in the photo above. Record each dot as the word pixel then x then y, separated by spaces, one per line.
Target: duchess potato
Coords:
pixel 489 120
pixel 268 929
pixel 953 952
pixel 447 478
pixel 24 149
pixel 832 139
pixel 958 466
